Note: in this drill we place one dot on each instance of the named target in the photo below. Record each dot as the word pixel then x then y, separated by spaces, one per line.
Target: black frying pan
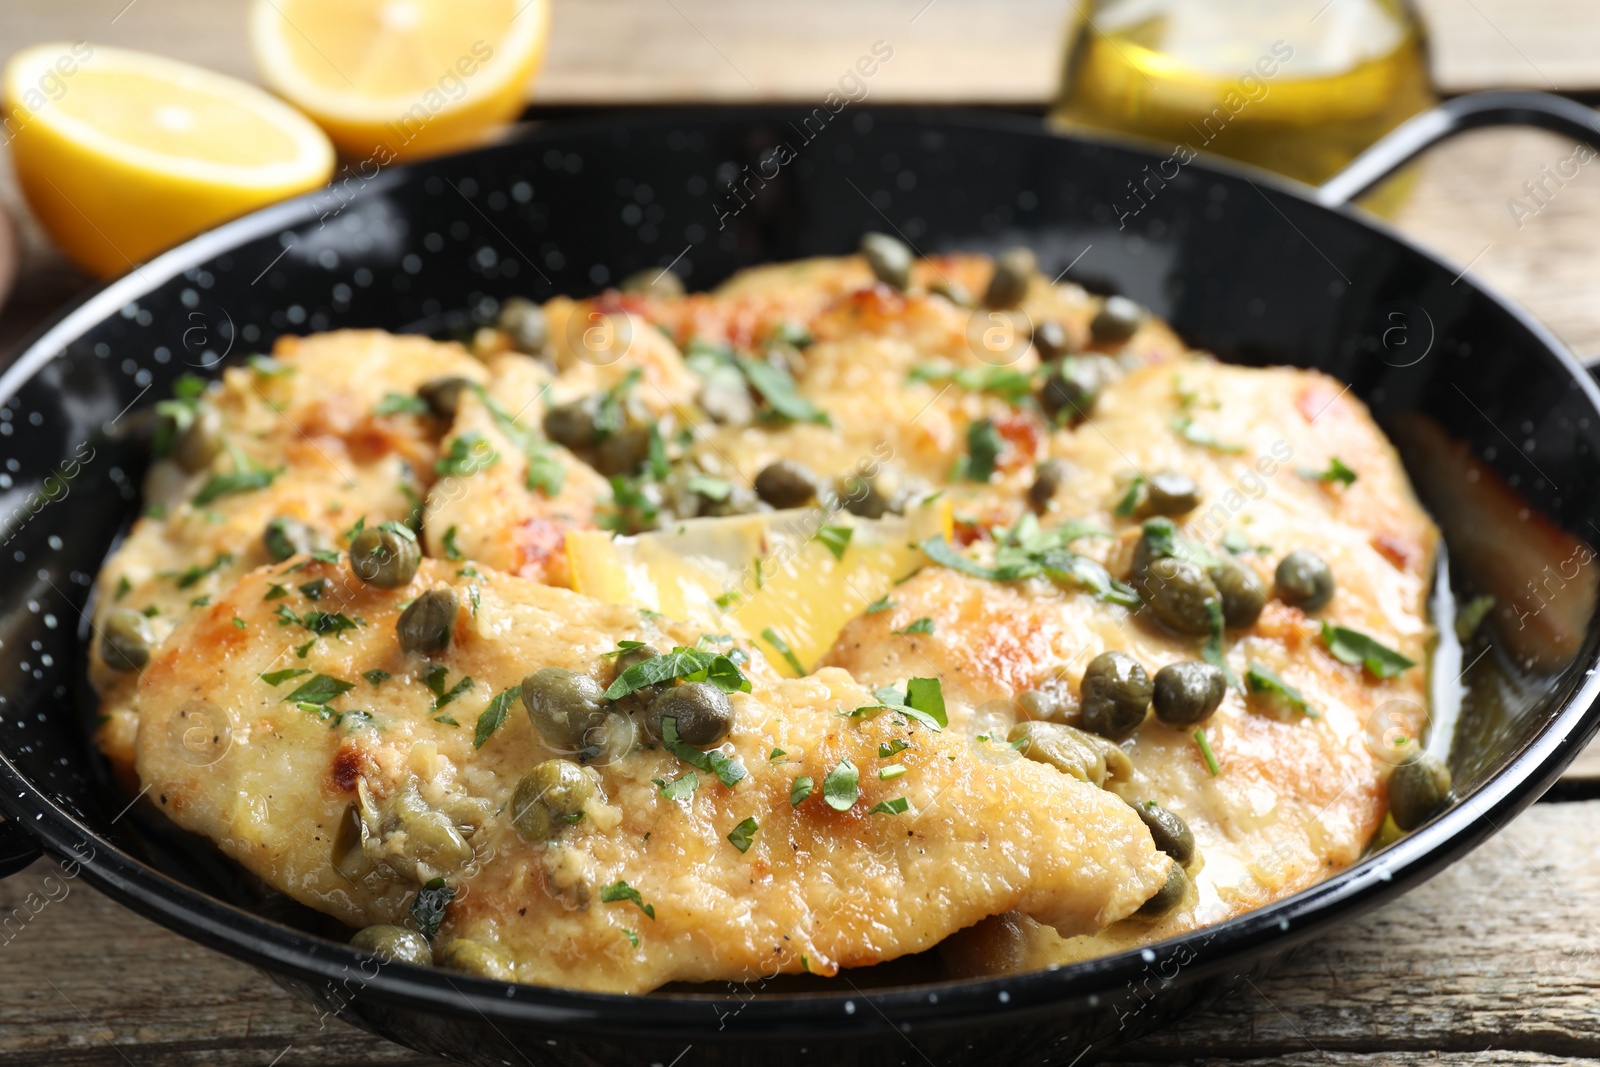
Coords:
pixel 1256 269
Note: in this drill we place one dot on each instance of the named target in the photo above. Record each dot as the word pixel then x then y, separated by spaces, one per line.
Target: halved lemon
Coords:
pixel 398 79
pixel 792 576
pixel 122 154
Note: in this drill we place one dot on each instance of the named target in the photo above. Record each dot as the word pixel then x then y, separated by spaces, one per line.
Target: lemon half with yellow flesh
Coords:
pixel 123 154
pixel 398 79
pixel 790 578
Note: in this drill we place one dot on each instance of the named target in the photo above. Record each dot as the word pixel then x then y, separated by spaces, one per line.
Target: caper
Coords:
pixel 431 836
pixel 1071 751
pixel 1187 694
pixel 1170 493
pixel 1170 833
pixel 476 958
pixel 428 622
pixel 386 556
pixel 952 291
pixel 1418 790
pixel 442 395
pixel 889 259
pixel 1050 700
pixel 1051 340
pixel 1047 479
pixel 1117 320
pixel 703 712
pixel 1305 580
pixel 197 444
pixel 1181 595
pixel 285 537
pixel 1071 388
pixel 1013 270
pixel 1243 592
pixel 394 943
pixel 861 496
pixel 524 321
pixel 125 640
pixel 1157 539
pixel 786 484
pixel 1115 694
pixel 563 705
pixel 572 424
pixel 1169 896
pixel 623 451
pixel 550 798
pixel 653 282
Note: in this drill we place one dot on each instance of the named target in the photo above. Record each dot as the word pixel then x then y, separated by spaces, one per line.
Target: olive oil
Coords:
pixel 1296 86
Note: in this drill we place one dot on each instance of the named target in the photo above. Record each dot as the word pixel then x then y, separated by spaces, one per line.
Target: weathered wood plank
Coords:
pixel 1494 961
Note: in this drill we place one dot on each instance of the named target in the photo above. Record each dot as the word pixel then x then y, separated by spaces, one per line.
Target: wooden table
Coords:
pixel 1494 961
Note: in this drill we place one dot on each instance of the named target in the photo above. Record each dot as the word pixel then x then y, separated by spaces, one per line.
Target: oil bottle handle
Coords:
pixel 1471 112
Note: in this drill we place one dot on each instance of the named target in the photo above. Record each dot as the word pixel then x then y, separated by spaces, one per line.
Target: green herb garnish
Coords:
pixel 744 834
pixel 1353 646
pixel 622 891
pixel 494 716
pixel 772 637
pixel 842 786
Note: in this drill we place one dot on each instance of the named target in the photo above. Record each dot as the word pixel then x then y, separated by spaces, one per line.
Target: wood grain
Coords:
pixel 1497 960
pixel 997 52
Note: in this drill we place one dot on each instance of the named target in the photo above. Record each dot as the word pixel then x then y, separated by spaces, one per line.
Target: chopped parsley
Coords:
pixel 835 539
pixel 891 771
pixel 193 575
pixel 1268 684
pixel 897 806
pixel 469 453
pixel 984 445
pixel 1195 434
pixel 842 786
pixel 882 604
pixel 279 677
pixel 494 716
pixel 728 769
pixel 744 834
pixel 244 478
pixel 400 404
pixel 376 676
pixel 320 689
pixel 123 588
pixel 1205 751
pixel 690 664
pixel 452 551
pixel 892 748
pixel 1336 472
pixel 1028 551
pixel 622 891
pixel 923 701
pixel 1212 652
pixel 1012 386
pixel 633 938
pixel 1130 500
pixel 799 791
pixel 773 638
pixel 923 625
pixel 428 908
pixel 1353 646
pixel 777 387
pixel 680 788
pixel 434 678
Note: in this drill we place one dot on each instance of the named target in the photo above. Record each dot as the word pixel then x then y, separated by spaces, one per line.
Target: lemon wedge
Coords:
pixel 794 576
pixel 398 79
pixel 122 154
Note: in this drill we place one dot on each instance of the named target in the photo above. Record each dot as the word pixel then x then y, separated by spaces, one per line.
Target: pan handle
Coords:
pixel 17 849
pixel 1471 112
